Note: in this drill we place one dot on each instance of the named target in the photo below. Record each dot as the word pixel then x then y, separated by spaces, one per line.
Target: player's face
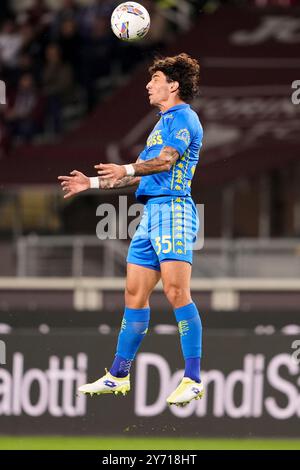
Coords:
pixel 159 89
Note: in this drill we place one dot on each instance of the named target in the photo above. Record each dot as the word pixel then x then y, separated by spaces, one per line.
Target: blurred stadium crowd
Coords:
pixel 54 58
pixel 76 93
pixel 60 62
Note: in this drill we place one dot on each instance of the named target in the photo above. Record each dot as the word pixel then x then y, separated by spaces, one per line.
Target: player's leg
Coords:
pixel 140 283
pixel 178 226
pixel 176 277
pixel 143 273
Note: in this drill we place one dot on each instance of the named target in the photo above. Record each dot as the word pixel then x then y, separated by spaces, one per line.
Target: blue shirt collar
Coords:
pixel 174 108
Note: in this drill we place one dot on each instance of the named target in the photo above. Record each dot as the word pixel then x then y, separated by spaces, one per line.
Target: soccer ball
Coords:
pixel 130 21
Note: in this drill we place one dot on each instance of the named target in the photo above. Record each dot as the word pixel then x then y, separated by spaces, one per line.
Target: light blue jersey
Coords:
pixel 169 225
pixel 180 128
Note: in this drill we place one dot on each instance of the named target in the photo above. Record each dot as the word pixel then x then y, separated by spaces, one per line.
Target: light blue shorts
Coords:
pixel 167 232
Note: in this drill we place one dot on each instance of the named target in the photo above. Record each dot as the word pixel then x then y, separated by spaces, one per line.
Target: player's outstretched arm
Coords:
pixel 164 162
pixel 78 182
pixel 115 176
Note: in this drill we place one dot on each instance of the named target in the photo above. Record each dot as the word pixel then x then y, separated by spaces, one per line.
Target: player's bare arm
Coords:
pixel 77 182
pixel 164 162
pixel 122 183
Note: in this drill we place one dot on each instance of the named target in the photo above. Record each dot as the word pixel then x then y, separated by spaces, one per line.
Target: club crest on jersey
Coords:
pixel 184 135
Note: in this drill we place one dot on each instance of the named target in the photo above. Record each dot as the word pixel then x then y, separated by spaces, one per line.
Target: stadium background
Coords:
pixel 75 96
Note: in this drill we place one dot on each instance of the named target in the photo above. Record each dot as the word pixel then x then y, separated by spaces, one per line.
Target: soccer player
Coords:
pixel 162 246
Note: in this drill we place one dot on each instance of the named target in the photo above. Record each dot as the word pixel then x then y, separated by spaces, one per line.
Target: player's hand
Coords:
pixel 74 184
pixel 111 171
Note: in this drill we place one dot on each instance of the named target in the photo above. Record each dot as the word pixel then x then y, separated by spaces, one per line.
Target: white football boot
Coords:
pixel 186 391
pixel 107 384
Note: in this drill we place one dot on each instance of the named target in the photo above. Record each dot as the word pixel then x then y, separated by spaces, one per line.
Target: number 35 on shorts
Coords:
pixel 163 244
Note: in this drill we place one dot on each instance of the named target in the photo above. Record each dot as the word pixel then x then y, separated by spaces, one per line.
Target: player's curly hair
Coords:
pixel 182 69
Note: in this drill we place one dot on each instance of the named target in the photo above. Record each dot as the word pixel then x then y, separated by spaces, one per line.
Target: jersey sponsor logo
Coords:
pixel 155 138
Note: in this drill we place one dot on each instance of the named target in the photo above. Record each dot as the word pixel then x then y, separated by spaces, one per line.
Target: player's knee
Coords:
pixel 177 295
pixel 131 291
pixel 135 297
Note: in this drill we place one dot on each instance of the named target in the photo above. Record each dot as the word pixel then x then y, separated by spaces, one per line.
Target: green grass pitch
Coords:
pixel 114 443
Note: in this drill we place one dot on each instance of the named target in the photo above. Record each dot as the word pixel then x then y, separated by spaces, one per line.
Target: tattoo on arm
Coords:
pixel 164 162
pixel 125 182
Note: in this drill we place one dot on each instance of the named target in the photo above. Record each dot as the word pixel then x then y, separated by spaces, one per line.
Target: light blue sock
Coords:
pixel 133 329
pixel 190 330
